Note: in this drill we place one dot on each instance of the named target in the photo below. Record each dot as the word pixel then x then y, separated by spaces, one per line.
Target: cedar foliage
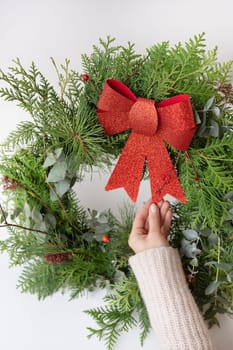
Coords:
pixel 59 243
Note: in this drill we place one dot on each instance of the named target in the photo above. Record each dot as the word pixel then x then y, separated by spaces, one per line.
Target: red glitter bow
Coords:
pixel 171 121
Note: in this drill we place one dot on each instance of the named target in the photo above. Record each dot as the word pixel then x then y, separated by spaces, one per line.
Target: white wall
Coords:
pixel 36 30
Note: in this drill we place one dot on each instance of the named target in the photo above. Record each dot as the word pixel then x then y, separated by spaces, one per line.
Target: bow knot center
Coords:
pixel 143 117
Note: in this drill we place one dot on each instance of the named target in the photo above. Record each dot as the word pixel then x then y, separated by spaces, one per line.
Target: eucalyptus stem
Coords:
pixel 63 208
pixel 7 224
pixel 217 271
pixel 218 258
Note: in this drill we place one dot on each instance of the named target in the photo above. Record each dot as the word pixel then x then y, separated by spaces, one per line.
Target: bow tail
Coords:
pixel 129 168
pixel 163 177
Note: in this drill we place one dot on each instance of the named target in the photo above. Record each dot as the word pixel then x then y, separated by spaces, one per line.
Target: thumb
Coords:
pixel 154 219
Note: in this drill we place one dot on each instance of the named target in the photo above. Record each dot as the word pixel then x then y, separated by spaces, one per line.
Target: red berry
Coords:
pixel 105 239
pixel 190 278
pixel 85 77
pixel 196 178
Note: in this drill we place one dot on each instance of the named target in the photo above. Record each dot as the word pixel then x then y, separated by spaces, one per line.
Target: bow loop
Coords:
pixel 177 126
pixel 171 121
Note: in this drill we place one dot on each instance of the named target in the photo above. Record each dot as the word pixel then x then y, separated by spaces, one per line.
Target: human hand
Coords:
pixel 151 226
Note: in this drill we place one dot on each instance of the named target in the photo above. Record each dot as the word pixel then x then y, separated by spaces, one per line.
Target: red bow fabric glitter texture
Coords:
pixel 152 125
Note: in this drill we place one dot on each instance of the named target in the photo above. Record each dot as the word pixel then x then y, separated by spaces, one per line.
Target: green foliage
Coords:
pixel 88 268
pixel 108 61
pixel 206 177
pixel 118 315
pixel 58 243
pixel 207 262
pixel 182 69
pixel 56 121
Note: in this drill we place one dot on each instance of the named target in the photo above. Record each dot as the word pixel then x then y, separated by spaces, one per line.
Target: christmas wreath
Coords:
pixel 80 125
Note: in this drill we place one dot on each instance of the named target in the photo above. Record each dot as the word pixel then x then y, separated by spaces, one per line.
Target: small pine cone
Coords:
pixel 226 89
pixel 9 184
pixel 57 258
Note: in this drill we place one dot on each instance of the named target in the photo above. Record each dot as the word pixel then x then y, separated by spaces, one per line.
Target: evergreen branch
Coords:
pixel 64 79
pixel 111 324
pixel 63 208
pixel 144 321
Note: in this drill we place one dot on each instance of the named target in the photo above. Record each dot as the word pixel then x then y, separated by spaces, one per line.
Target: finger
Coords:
pixel 167 222
pixel 141 216
pixel 154 219
pixel 163 210
pixel 160 203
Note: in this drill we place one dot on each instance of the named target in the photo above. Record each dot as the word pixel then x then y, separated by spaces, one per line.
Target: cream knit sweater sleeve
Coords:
pixel 172 310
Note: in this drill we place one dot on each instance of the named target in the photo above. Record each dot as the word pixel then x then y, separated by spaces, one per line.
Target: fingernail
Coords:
pixel 153 208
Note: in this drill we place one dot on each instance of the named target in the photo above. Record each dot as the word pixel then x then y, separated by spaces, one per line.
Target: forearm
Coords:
pixel 171 307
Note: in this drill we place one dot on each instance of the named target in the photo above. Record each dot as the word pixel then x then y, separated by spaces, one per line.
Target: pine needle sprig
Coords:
pixel 109 61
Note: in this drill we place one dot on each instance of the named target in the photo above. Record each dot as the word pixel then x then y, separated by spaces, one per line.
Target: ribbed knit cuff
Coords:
pixel 172 310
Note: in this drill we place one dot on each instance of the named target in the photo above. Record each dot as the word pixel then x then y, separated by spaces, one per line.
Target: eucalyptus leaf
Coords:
pixel 190 234
pixel 197 117
pixel 191 250
pixel 212 287
pixel 184 242
pixel 89 237
pixel 229 279
pixel 50 160
pixel 27 210
pixel 210 263
pixel 217 112
pixel 206 232
pixel 58 172
pixel 59 154
pixel 36 215
pixel 40 226
pixel 93 213
pixel 214 128
pixel 213 238
pixel 50 220
pixel 209 104
pixel 118 276
pixel 53 196
pixel 102 229
pixel 102 219
pixel 221 265
pixel 62 187
pixel 231 211
pixel 202 128
pixel 225 266
pixel 27 223
pixel 229 196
